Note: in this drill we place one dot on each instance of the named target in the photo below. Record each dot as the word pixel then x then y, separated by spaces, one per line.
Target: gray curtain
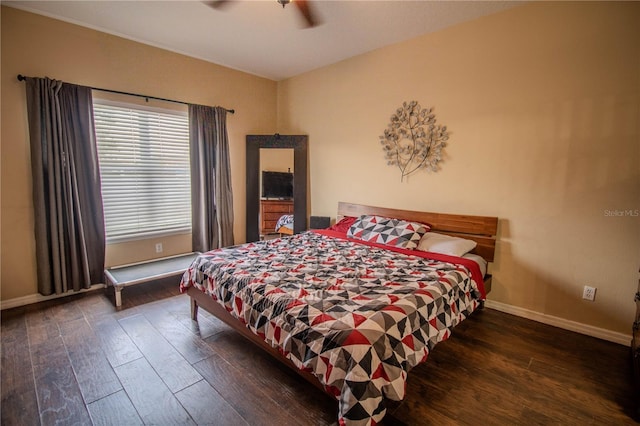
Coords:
pixel 211 194
pixel 67 198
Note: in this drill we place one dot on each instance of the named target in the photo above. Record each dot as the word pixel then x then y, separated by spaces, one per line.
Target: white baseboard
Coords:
pixel 589 330
pixel 35 298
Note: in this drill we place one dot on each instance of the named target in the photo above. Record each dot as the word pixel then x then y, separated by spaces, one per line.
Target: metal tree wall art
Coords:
pixel 413 140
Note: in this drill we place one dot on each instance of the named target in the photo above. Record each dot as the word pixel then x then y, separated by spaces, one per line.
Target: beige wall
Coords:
pixel 37 46
pixel 542 102
pixel 276 159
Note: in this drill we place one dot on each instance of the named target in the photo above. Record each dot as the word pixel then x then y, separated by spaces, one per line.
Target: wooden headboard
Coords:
pixel 481 229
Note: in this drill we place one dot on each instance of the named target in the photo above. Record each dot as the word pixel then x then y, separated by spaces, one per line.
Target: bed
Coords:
pixel 284 226
pixel 351 315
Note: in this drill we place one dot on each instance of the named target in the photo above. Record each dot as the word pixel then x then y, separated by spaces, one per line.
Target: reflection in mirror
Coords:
pixel 255 143
pixel 276 192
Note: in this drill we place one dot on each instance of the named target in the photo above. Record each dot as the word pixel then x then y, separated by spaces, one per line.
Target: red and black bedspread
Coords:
pixel 357 316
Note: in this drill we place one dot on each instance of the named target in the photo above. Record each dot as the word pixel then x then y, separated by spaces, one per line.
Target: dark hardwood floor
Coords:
pixel 78 360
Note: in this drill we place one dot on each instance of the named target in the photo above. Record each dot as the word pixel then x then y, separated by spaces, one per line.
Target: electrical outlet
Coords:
pixel 589 293
pixel 159 248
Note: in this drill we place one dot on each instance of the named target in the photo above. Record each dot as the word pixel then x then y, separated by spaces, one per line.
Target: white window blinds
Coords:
pixel 144 166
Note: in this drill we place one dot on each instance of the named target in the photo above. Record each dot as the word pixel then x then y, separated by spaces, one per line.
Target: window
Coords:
pixel 144 166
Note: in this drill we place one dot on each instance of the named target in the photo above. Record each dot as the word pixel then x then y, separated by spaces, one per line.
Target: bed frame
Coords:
pixel 481 229
pixel 283 230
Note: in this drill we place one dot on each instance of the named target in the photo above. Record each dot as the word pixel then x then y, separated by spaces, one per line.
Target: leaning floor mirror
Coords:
pixel 277 195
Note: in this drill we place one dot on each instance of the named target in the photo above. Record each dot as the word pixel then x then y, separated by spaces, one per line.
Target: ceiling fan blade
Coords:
pixel 304 7
pixel 218 4
pixel 306 10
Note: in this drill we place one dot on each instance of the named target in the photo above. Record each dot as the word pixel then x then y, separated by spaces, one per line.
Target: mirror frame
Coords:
pixel 299 145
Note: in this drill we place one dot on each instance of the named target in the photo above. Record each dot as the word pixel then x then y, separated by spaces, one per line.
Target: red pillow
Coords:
pixel 344 224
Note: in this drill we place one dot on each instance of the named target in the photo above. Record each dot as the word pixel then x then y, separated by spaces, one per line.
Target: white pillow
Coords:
pixel 479 260
pixel 445 244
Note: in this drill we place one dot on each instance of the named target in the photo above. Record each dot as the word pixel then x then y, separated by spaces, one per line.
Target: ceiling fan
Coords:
pixel 303 6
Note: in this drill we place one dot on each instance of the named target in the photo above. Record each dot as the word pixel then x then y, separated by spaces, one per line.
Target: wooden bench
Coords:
pixel 137 273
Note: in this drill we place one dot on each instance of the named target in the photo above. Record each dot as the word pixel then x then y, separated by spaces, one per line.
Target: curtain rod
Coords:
pixel 232 111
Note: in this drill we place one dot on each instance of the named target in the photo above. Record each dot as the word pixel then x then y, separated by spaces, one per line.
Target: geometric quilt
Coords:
pixel 358 317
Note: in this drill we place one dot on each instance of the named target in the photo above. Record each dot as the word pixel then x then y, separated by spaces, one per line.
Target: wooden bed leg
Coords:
pixel 194 309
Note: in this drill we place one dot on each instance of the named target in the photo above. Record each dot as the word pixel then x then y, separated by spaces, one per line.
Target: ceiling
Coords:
pixel 261 37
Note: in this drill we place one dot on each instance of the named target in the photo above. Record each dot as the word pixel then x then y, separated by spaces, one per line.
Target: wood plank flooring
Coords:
pixel 78 360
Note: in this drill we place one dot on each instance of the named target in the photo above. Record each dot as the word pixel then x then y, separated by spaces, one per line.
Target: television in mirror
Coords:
pixel 277 185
